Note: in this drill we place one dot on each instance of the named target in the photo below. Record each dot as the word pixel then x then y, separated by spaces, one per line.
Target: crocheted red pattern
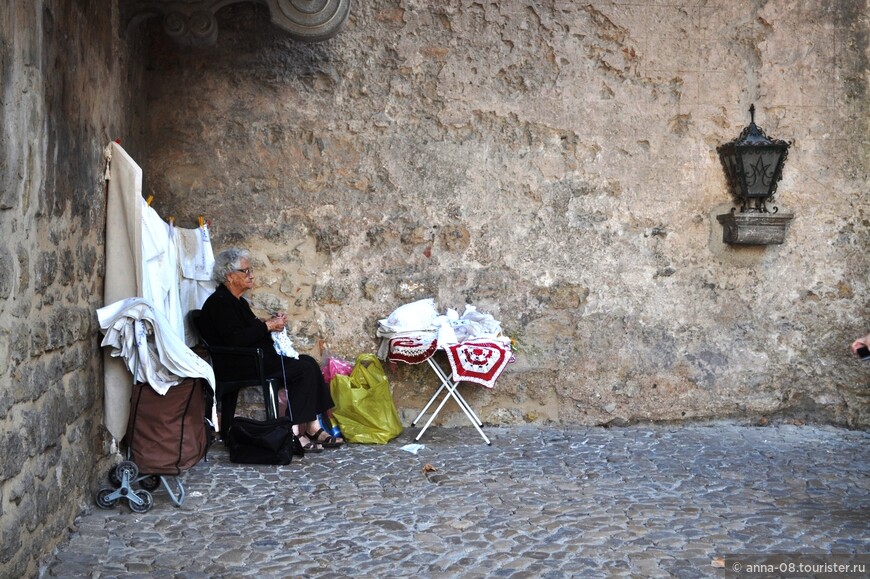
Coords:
pixel 411 350
pixel 480 362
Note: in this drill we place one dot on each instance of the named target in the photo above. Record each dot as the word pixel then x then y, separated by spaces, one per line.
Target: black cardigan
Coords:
pixel 229 321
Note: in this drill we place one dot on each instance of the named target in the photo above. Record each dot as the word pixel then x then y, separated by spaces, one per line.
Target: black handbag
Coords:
pixel 261 442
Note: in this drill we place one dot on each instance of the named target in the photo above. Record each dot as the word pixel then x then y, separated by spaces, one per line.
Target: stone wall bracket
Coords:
pixel 751 228
pixel 193 22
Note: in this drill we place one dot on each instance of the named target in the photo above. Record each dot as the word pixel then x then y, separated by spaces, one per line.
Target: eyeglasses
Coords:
pixel 247 271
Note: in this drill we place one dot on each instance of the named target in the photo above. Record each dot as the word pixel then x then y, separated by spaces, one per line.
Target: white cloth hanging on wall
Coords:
pixel 123 278
pixel 195 253
pixel 196 257
pixel 143 260
pixel 160 259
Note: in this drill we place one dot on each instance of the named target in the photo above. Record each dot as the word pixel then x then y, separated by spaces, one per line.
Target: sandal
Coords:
pixel 311 446
pixel 328 442
pixel 297 447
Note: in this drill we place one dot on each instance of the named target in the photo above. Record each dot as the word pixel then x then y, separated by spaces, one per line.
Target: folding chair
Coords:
pixel 452 391
pixel 227 391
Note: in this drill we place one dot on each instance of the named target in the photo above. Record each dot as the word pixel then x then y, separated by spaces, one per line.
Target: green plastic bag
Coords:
pixel 364 407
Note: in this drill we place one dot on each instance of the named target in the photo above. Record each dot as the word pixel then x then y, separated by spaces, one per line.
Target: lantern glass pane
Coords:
pixel 758 165
pixel 729 164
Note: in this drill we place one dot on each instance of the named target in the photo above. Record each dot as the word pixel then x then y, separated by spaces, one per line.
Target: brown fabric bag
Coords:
pixel 166 434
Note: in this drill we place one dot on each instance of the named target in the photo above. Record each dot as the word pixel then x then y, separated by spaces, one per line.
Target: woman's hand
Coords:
pixel 277 322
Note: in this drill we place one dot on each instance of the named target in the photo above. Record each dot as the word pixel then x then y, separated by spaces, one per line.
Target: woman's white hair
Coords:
pixel 228 261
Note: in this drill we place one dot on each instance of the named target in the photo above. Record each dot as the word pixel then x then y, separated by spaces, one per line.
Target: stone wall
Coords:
pixel 553 164
pixel 63 87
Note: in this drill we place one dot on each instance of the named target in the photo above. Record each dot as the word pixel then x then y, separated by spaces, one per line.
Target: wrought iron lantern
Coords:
pixel 753 165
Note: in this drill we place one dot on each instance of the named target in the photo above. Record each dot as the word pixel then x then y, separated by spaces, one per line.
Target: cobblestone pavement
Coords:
pixel 644 501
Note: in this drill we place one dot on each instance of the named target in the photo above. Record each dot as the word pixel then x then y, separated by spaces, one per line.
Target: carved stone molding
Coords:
pixel 754 228
pixel 193 22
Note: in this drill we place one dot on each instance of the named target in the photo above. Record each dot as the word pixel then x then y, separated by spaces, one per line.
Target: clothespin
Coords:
pixel 149 200
pixel 172 221
pixel 107 155
pixel 201 221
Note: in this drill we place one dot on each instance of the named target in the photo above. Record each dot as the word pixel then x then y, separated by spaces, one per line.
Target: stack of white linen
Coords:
pixel 422 319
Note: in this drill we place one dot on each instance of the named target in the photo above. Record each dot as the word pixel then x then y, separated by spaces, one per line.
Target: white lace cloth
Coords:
pixel 284 345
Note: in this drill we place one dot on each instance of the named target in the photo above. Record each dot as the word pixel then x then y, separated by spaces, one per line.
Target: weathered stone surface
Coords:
pixel 7 272
pixel 554 166
pixel 551 163
pixel 63 85
pixel 46 271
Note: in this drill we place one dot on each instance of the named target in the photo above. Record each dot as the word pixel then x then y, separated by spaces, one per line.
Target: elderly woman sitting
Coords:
pixel 227 320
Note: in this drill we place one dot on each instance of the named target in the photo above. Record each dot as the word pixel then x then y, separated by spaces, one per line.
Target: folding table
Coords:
pixel 478 360
pixel 452 391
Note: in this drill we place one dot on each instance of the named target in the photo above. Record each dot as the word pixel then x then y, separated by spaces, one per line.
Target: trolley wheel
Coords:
pixel 148 502
pixel 150 483
pixel 103 500
pixel 128 468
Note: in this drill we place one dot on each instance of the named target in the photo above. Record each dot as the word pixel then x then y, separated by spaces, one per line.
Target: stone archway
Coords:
pixel 193 22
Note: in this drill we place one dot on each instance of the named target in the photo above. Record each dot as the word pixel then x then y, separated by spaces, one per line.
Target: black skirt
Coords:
pixel 307 391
